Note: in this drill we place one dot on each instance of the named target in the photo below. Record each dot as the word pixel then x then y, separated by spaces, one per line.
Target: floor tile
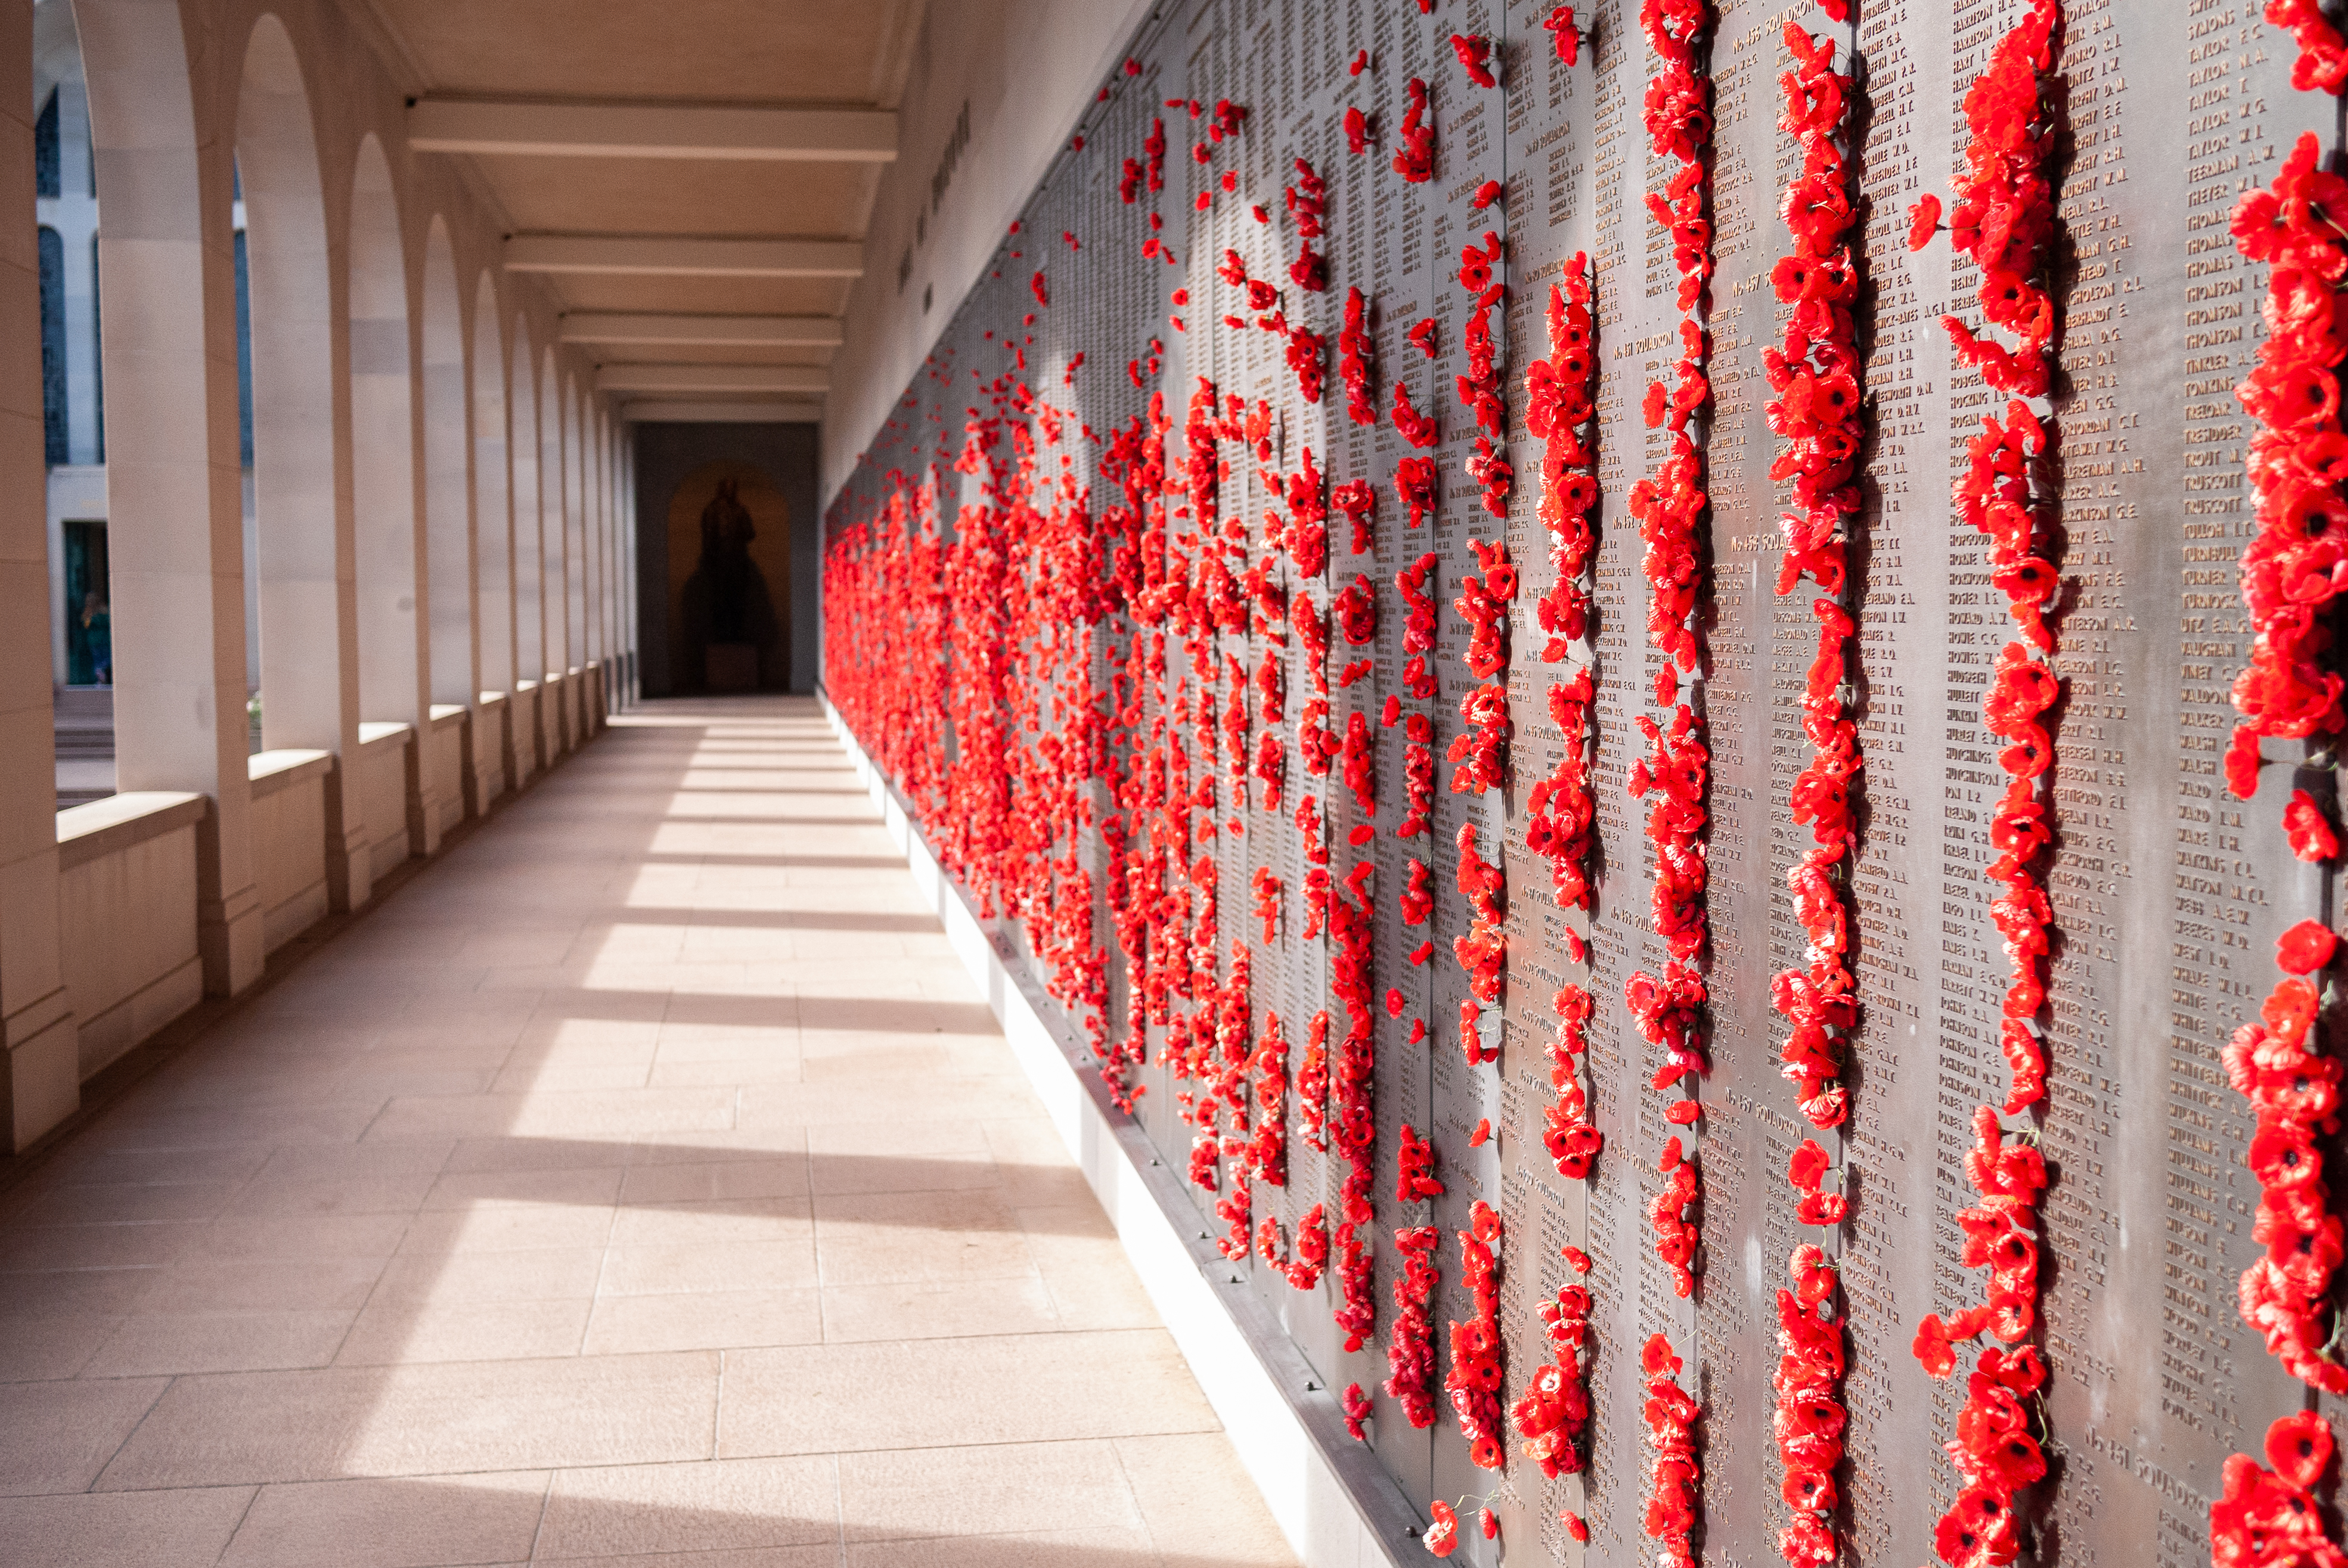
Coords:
pixel 422 1524
pixel 874 1238
pixel 323 1284
pixel 938 1309
pixel 133 1529
pixel 391 1333
pixel 1092 1283
pixel 541 1274
pixel 703 1320
pixel 631 1186
pixel 781 1176
pixel 721 1505
pixel 47 1247
pixel 882 1396
pixel 57 1437
pixel 1173 1475
pixel 172 1343
pixel 1114 1547
pixel 900 1494
pixel 824 1556
pixel 421 1420
pixel 43 1349
pixel 666 1270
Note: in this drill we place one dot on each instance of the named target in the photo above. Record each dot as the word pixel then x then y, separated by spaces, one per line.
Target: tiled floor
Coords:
pixel 641 1184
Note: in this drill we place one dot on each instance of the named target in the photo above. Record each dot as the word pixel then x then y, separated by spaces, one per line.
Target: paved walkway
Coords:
pixel 643 1183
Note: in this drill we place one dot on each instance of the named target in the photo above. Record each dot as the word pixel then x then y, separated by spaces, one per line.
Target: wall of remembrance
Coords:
pixel 1673 842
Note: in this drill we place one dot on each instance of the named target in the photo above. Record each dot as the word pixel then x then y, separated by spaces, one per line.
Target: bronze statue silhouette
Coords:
pixel 733 637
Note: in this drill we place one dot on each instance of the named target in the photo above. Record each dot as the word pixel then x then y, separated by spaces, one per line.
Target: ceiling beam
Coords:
pixel 662 411
pixel 684 257
pixel 639 130
pixel 727 331
pixel 711 378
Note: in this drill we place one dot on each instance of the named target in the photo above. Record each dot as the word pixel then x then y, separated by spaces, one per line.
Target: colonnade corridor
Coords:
pixel 642 1182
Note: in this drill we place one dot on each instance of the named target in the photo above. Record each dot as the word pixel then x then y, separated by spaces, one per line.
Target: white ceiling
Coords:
pixel 693 179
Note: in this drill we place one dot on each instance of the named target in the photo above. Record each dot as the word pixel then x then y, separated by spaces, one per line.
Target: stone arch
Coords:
pixel 448 501
pixel 493 494
pixel 393 655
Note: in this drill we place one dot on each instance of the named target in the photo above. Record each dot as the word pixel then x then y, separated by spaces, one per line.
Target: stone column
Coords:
pixel 42 1082
pixel 175 512
pixel 301 436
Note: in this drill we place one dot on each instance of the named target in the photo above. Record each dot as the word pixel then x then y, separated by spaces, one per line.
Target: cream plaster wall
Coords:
pixel 1027 68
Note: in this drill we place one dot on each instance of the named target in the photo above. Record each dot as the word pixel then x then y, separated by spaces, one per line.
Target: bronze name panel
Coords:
pixel 2167 894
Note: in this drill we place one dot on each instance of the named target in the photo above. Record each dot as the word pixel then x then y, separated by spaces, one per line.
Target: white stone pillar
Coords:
pixel 630 567
pixel 492 510
pixel 300 439
pixel 175 514
pixel 454 669
pixel 39 1046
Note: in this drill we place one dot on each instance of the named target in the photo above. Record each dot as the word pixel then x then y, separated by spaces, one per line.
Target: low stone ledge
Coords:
pixel 382 734
pixel 275 770
pixel 120 821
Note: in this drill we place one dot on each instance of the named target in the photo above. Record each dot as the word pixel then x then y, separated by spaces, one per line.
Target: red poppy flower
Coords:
pixel 1442 1532
pixel 2299 1447
pixel 2309 829
pixel 2282 1154
pixel 1923 222
pixel 2305 947
pixel 1475 54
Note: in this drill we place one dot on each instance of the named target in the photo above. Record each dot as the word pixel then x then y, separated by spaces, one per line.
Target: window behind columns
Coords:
pixel 46 181
pixel 53 331
pixel 97 336
pixel 244 356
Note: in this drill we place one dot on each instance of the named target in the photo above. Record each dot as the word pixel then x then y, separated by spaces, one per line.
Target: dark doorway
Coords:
pixel 89 626
pixel 729 533
pixel 727 562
